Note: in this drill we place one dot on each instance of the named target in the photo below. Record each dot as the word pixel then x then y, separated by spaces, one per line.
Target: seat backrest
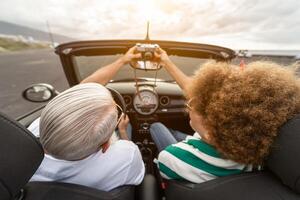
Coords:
pixel 20 156
pixel 284 159
pixel 147 190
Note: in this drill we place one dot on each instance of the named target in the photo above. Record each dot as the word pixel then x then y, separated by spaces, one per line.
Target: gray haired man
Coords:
pixel 75 130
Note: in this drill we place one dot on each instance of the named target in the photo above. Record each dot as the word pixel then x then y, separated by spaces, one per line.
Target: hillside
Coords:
pixel 7 44
pixel 15 29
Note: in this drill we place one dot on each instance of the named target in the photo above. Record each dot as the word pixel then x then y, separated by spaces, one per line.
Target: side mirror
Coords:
pixel 40 92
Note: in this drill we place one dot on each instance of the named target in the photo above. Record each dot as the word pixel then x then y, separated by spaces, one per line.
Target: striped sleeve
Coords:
pixel 195 161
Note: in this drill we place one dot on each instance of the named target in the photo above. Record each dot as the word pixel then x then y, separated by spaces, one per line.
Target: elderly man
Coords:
pixel 75 130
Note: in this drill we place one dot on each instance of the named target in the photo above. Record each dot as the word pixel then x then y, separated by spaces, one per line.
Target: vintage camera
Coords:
pixel 147 50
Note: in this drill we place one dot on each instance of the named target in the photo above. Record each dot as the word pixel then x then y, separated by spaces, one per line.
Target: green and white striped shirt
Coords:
pixel 195 161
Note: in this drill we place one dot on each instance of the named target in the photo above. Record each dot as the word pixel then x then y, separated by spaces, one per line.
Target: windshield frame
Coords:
pixel 67 51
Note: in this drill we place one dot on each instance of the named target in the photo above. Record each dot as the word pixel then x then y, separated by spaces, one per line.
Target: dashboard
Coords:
pixel 148 103
pixel 148 99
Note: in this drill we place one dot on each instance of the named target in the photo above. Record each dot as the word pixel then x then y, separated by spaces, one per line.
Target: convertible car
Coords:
pixel 147 94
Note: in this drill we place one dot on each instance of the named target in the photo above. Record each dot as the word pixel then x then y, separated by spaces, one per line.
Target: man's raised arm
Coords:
pixel 106 73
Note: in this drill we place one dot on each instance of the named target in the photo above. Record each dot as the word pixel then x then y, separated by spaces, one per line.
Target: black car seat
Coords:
pixel 21 155
pixel 280 179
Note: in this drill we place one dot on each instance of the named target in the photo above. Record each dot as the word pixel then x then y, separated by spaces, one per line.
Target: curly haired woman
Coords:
pixel 235 113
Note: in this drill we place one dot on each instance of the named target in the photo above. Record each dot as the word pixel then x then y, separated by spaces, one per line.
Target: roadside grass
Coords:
pixel 7 44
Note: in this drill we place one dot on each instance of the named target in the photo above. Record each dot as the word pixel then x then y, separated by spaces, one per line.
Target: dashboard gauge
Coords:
pixel 145 102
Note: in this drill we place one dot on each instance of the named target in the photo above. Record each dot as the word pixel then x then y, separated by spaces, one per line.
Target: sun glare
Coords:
pixel 148 10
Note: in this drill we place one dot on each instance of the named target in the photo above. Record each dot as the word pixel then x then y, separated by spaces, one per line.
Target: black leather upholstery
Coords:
pixel 62 191
pixel 281 181
pixel 20 156
pixel 284 160
pixel 248 186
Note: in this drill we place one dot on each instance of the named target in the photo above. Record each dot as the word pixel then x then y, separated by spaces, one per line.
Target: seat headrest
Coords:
pixel 21 155
pixel 284 160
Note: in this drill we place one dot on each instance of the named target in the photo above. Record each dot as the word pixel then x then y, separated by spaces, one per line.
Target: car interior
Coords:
pixel 147 94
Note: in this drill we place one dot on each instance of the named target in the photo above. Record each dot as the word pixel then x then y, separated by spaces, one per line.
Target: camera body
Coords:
pixel 147 50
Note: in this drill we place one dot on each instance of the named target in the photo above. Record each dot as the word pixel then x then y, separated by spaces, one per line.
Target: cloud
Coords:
pixel 232 23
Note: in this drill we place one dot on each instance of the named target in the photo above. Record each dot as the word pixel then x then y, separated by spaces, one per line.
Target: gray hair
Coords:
pixel 76 122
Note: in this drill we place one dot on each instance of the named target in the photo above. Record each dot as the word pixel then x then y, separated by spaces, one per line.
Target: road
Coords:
pixel 21 69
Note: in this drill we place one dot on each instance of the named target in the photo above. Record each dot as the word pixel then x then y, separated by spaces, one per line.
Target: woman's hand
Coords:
pixel 122 126
pixel 162 56
pixel 130 55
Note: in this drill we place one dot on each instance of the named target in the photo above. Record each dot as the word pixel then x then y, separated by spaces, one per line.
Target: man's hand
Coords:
pixel 106 73
pixel 130 55
pixel 122 126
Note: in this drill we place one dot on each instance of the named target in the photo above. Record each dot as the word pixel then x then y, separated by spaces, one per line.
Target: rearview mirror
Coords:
pixel 40 92
pixel 145 65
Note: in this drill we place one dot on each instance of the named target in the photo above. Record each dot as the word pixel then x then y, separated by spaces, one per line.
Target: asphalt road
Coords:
pixel 21 69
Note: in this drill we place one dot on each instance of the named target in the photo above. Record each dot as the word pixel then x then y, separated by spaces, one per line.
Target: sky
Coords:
pixel 237 24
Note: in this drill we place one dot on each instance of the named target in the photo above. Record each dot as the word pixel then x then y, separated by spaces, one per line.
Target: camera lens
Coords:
pixel 148 55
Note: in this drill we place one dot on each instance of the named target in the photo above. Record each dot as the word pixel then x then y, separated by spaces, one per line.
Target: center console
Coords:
pixel 142 137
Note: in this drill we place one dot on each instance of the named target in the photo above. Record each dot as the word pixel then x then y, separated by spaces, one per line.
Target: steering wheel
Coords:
pixel 118 98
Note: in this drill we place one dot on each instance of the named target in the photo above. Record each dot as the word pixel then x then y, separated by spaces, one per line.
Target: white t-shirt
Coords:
pixel 121 164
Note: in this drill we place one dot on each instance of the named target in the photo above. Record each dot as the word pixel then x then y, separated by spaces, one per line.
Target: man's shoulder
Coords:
pixel 124 144
pixel 123 147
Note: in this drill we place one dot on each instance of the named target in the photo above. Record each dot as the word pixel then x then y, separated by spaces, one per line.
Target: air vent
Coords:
pixel 127 99
pixel 164 100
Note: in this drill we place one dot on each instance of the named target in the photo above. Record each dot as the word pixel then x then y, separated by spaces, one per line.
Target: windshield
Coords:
pixel 262 30
pixel 86 65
